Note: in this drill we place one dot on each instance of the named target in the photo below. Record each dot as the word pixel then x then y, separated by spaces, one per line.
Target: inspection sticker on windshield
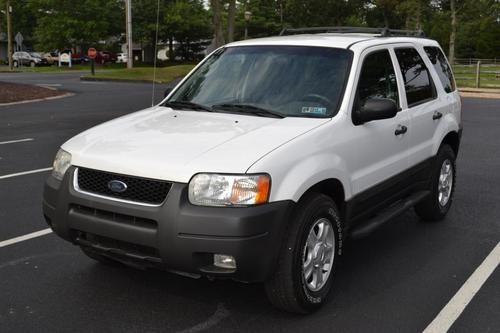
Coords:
pixel 313 110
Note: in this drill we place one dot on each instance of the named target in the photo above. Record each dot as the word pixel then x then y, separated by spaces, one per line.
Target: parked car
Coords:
pixel 52 57
pixel 45 60
pixel 266 159
pixel 121 58
pixel 22 58
pixel 104 57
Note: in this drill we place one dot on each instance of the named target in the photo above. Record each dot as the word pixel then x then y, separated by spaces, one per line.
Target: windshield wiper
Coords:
pixel 248 108
pixel 186 105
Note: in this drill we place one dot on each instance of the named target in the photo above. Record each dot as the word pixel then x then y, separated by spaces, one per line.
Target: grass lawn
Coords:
pixel 116 71
pixel 56 69
pixel 465 75
pixel 163 74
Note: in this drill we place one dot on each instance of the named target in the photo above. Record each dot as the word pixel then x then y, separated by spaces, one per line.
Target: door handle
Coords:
pixel 437 115
pixel 401 129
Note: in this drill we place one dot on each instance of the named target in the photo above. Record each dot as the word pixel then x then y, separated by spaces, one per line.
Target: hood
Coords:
pixel 161 143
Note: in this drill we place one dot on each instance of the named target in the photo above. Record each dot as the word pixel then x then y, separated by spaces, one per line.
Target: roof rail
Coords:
pixel 380 32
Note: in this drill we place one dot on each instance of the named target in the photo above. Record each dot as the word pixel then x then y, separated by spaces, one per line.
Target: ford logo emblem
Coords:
pixel 117 186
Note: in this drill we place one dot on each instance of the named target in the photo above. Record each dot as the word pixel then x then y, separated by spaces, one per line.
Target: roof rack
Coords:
pixel 380 32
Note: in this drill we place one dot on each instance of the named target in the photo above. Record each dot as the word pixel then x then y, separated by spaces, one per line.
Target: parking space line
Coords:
pixel 25 237
pixel 24 173
pixel 16 141
pixel 450 313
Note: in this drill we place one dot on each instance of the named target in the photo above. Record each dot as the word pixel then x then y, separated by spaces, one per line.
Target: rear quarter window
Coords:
pixel 442 67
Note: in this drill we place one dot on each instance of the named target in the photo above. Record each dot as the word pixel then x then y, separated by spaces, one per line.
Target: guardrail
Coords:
pixel 483 73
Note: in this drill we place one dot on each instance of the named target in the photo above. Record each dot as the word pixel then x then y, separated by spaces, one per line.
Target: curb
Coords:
pixel 38 99
pixel 87 78
pixel 480 94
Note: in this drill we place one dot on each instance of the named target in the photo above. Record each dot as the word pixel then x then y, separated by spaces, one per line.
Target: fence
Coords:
pixel 477 73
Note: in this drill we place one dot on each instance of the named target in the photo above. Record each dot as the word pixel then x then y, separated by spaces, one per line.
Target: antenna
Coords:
pixel 155 53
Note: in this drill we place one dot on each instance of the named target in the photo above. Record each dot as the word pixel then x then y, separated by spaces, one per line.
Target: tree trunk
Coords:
pixel 217 23
pixel 418 25
pixel 171 55
pixel 386 18
pixel 453 33
pixel 230 20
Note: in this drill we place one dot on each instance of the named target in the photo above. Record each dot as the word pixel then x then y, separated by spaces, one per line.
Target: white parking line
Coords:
pixel 450 313
pixel 24 173
pixel 25 237
pixel 16 141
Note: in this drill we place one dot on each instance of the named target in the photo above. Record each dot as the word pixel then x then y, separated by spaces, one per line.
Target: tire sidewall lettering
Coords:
pixel 318 296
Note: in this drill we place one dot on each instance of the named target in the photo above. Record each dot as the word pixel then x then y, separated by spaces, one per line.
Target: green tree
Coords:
pixel 66 23
pixel 302 13
pixel 175 26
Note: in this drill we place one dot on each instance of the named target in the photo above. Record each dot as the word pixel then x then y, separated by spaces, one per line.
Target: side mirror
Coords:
pixel 167 91
pixel 375 109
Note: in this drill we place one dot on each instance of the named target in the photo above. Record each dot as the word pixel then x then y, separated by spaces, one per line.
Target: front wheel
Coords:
pixel 438 203
pixel 304 274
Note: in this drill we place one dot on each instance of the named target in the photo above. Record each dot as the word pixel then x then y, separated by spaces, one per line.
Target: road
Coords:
pixel 396 280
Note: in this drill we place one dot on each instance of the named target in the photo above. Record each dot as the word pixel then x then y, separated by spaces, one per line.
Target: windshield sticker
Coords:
pixel 313 110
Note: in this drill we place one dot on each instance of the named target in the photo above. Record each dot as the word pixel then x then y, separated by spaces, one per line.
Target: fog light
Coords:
pixel 224 261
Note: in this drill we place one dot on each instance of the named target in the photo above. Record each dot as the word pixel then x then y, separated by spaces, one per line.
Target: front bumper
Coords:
pixel 176 236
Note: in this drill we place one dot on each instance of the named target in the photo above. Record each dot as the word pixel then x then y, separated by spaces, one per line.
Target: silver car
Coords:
pixel 25 59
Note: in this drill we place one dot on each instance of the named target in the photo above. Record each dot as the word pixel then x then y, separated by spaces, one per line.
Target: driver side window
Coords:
pixel 377 79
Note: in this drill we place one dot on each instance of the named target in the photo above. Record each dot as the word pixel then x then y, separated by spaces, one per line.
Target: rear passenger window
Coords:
pixel 418 82
pixel 377 79
pixel 442 67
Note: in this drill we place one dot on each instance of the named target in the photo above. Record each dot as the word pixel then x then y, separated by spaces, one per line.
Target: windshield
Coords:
pixel 290 80
pixel 35 54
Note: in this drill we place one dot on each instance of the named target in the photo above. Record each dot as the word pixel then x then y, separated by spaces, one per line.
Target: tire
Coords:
pixel 97 257
pixel 290 288
pixel 436 206
pixel 32 64
pixel 15 64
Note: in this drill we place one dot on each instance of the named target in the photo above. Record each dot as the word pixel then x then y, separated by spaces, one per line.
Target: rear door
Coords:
pixel 422 100
pixel 444 74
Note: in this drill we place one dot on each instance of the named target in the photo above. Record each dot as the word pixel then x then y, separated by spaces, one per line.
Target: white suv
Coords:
pixel 261 163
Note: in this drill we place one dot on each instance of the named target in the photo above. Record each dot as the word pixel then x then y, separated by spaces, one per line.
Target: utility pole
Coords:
pixel 9 33
pixel 128 18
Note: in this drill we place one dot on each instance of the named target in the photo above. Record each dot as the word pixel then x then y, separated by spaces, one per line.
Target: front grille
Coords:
pixel 139 189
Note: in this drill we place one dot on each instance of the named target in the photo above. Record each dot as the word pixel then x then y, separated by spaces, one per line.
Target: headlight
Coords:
pixel 61 163
pixel 229 190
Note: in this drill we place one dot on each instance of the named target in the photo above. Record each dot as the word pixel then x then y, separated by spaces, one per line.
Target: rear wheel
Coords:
pixel 15 64
pixel 308 258
pixel 438 203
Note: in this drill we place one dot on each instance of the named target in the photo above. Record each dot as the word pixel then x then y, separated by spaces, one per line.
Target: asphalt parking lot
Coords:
pixel 396 280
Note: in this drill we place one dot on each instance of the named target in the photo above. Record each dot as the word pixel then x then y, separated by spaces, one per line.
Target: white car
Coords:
pixel 121 58
pixel 265 159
